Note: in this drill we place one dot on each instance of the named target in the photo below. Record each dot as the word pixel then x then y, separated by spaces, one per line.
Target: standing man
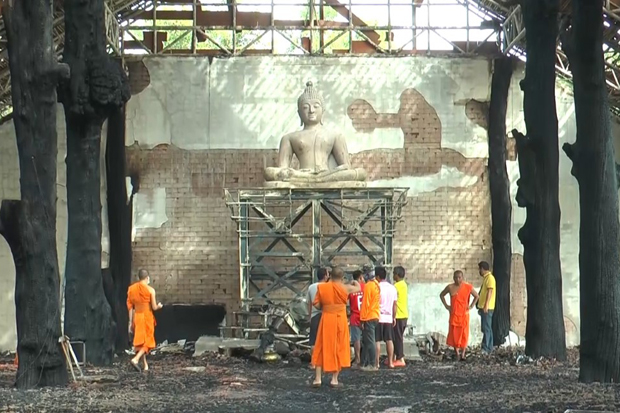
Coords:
pixel 141 302
pixel 402 316
pixel 369 316
pixel 458 325
pixel 314 312
pixel 486 305
pixel 355 325
pixel 387 317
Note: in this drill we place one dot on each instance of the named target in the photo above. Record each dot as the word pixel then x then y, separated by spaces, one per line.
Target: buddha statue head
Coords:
pixel 310 106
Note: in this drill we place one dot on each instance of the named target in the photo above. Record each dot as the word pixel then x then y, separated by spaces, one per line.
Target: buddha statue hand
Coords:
pixel 279 174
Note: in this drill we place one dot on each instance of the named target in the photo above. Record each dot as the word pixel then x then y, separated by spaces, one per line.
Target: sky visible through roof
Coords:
pixel 448 18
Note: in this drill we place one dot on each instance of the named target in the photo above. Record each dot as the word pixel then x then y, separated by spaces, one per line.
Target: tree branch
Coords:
pixel 572 153
pixel 569 150
pixel 60 71
pixel 521 140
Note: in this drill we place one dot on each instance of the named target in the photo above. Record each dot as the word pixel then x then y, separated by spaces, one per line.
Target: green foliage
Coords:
pixel 181 39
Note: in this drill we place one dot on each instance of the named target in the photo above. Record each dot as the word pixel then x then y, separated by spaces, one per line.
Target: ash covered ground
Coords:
pixel 182 383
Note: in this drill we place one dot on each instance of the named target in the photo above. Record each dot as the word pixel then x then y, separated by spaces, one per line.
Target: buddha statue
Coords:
pixel 316 147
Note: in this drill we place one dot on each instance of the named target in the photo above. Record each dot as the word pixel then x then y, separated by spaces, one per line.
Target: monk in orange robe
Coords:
pixel 458 329
pixel 332 349
pixel 141 302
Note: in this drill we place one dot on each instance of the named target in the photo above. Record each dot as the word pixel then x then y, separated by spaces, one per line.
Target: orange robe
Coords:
pixel 458 331
pixel 139 299
pixel 332 349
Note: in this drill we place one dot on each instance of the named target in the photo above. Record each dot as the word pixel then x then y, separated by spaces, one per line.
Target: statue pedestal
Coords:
pixel 313 185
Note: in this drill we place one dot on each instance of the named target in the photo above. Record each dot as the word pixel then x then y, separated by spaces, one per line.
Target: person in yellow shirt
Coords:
pixel 486 305
pixel 402 316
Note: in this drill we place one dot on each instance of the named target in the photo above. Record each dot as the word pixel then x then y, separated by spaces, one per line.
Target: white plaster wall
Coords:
pixel 249 103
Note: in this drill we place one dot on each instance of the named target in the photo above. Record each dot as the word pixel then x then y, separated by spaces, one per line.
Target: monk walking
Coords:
pixel 332 350
pixel 458 329
pixel 141 302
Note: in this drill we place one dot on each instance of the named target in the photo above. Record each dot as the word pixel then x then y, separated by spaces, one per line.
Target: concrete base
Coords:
pixel 589 411
pixel 206 344
pixel 316 185
pixel 411 350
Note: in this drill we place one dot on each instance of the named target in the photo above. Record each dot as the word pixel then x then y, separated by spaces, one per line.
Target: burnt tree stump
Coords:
pixel 98 86
pixel 538 192
pixel 501 205
pixel 594 168
pixel 29 225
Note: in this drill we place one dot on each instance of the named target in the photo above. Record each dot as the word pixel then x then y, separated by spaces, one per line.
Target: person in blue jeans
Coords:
pixel 486 305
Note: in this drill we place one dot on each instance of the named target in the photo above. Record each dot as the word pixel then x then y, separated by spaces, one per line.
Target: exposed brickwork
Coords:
pixel 194 256
pixel 478 112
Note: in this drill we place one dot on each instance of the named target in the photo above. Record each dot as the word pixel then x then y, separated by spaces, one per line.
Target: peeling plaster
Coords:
pixel 128 187
pixel 243 94
pixel 149 209
pixel 448 177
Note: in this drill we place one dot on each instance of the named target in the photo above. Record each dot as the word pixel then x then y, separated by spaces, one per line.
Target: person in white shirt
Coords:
pixel 387 316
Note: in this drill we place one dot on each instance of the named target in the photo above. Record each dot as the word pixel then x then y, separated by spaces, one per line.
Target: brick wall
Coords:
pixel 193 258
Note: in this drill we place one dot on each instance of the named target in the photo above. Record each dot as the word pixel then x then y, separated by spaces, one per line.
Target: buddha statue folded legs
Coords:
pixel 313 146
pixel 301 176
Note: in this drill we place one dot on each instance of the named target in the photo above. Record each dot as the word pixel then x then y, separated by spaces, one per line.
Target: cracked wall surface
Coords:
pixel 194 128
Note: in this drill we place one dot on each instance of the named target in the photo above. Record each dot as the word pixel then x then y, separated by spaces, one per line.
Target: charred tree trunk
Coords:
pixel 592 155
pixel 29 225
pixel 120 224
pixel 97 87
pixel 538 192
pixel 501 206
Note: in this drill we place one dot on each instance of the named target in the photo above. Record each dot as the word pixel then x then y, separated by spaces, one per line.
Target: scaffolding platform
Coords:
pixel 287 234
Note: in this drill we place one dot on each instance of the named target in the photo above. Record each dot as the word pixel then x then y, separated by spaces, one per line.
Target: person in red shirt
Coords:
pixel 355 325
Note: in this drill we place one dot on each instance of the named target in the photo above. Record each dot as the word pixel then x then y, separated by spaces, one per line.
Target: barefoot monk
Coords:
pixel 458 328
pixel 332 350
pixel 141 302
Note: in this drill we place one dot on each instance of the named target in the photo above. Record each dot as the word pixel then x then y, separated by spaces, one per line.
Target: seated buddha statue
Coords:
pixel 314 146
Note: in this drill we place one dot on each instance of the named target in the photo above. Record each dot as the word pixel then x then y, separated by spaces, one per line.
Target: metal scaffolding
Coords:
pixel 286 235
